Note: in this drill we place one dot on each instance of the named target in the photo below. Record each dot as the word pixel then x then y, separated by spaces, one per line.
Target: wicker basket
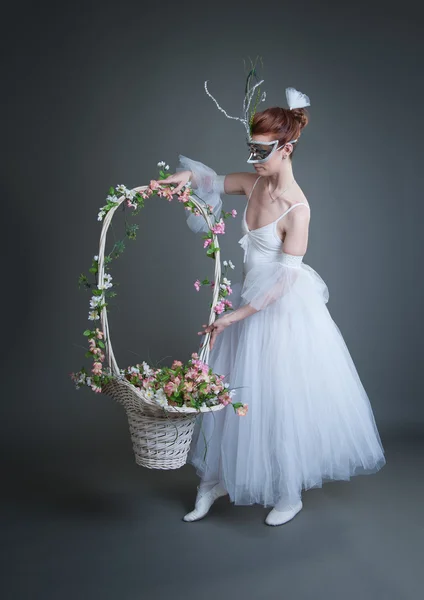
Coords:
pixel 160 436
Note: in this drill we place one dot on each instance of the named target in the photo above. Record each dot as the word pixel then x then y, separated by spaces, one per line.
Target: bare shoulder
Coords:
pixel 296 222
pixel 239 183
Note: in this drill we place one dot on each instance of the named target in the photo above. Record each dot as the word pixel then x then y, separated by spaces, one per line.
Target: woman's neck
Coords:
pixel 280 180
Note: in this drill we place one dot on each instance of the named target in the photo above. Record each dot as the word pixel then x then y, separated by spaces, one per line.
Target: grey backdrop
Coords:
pixel 95 94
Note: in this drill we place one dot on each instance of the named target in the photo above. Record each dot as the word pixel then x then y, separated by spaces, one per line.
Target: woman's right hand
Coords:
pixel 179 179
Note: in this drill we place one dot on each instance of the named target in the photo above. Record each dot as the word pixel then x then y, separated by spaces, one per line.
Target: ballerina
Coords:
pixel 309 418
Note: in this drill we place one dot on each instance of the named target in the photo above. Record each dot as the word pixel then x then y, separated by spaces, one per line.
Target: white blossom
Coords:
pixel 133 370
pixel 149 393
pixel 232 393
pixel 225 263
pixel 112 198
pixel 161 398
pixel 100 216
pixel 161 163
pixel 226 281
pixel 93 315
pixel 147 370
pixel 95 301
pixel 167 168
pixel 88 381
pixel 96 257
pixel 121 188
pixel 231 264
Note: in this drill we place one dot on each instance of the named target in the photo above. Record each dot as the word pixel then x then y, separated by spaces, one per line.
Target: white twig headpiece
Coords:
pixel 295 99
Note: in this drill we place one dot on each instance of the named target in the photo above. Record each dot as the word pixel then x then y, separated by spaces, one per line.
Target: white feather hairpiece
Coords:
pixel 296 99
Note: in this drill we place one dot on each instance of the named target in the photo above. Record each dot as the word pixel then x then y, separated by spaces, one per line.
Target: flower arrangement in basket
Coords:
pixel 160 403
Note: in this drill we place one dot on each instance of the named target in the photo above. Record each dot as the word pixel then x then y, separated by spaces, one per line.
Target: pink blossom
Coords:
pixel 99 333
pixel 219 227
pixel 188 386
pixel 169 194
pixel 207 243
pixel 184 196
pixel 96 388
pixel 212 284
pixel 234 212
pixel 242 410
pixel 191 373
pixel 146 193
pixel 215 388
pixel 200 365
pixel 97 368
pixel 228 302
pixel 170 388
pixel 197 284
pixel 219 308
pixel 225 399
pixel 203 377
pixel 154 185
pixel 176 363
pixel 194 355
pixel 229 290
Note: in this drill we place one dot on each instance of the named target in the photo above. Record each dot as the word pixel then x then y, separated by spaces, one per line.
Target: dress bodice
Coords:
pixel 262 245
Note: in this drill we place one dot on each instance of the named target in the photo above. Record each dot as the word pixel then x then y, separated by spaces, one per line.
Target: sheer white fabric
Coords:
pixel 309 418
pixel 269 282
pixel 208 186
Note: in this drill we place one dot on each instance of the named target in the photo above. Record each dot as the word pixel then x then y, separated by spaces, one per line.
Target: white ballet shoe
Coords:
pixel 278 517
pixel 204 501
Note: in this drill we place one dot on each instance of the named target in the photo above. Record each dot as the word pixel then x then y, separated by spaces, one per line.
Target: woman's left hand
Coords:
pixel 215 329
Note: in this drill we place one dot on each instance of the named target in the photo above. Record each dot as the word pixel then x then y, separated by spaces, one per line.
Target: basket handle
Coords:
pixel 110 357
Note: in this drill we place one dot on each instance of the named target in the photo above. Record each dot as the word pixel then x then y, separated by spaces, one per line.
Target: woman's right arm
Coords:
pixel 239 183
pixel 234 183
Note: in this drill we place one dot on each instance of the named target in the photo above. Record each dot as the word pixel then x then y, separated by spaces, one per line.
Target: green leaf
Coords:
pixel 87 332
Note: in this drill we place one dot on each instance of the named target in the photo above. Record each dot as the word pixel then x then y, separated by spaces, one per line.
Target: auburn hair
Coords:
pixel 286 124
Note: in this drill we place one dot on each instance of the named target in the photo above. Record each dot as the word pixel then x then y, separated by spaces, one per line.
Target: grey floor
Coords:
pixel 94 525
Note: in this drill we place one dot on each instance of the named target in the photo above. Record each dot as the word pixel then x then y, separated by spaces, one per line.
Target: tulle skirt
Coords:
pixel 309 418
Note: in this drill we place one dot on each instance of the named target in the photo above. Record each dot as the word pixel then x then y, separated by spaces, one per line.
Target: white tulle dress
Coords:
pixel 309 418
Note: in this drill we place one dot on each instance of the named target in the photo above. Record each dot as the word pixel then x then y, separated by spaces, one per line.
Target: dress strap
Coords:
pixel 251 191
pixel 289 209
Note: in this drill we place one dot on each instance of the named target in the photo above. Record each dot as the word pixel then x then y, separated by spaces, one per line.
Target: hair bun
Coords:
pixel 300 115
